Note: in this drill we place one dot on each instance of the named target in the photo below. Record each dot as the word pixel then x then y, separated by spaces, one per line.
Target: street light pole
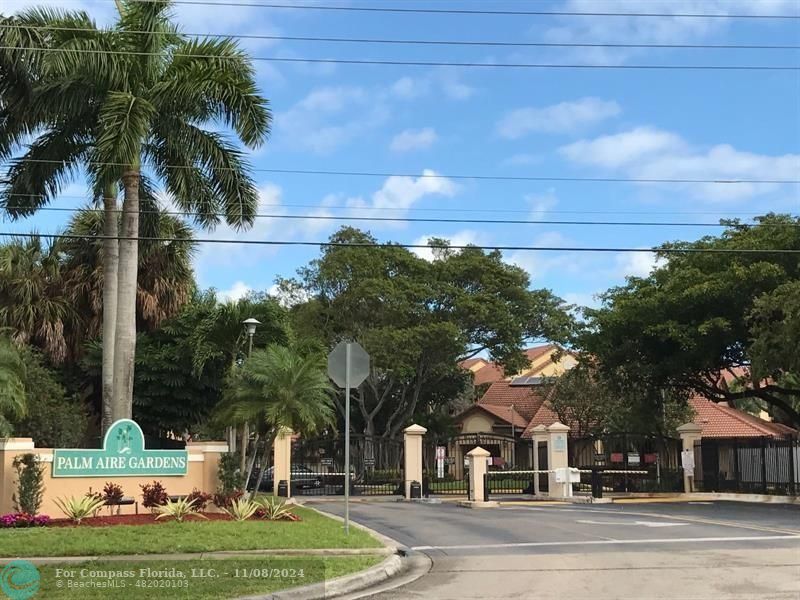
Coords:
pixel 251 325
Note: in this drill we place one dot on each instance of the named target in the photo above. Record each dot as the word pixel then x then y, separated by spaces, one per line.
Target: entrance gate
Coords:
pixel 376 466
pixel 445 467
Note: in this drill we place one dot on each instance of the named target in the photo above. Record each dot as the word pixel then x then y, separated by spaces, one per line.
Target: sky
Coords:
pixel 562 123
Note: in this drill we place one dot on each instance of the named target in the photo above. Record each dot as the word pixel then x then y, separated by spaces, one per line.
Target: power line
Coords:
pixel 465 11
pixel 461 210
pixel 454 176
pixel 429 42
pixel 745 251
pixel 318 217
pixel 424 63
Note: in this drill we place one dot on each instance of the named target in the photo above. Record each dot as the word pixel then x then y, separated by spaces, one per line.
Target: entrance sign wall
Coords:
pixel 82 470
pixel 123 455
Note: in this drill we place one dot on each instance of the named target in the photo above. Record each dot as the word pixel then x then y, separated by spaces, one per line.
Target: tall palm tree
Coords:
pixel 12 385
pixel 278 388
pixel 122 102
pixel 35 303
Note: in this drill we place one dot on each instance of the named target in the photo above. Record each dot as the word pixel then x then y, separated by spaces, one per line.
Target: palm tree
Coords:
pixel 35 304
pixel 166 280
pixel 279 388
pixel 12 385
pixel 122 102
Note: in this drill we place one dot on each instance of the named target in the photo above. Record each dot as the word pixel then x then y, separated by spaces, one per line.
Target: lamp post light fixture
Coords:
pixel 251 324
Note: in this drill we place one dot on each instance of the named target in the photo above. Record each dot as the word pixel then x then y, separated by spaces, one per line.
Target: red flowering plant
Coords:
pixel 12 520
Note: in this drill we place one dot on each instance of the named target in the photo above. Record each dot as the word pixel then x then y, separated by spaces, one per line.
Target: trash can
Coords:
pixel 416 489
pixel 283 488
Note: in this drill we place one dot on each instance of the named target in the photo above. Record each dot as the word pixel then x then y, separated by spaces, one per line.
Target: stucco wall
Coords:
pixel 201 474
pixel 477 423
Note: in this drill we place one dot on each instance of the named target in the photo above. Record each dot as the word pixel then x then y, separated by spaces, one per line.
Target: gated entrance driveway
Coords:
pixel 643 551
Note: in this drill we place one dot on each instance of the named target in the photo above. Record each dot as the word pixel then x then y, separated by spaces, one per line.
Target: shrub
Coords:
pixel 272 509
pixel 224 500
pixel 23 520
pixel 242 509
pixel 112 493
pixel 30 487
pixel 77 509
pixel 178 510
pixel 231 479
pixel 153 495
pixel 200 499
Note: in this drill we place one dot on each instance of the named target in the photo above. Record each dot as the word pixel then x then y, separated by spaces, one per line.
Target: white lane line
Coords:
pixel 702 503
pixel 610 542
pixel 639 523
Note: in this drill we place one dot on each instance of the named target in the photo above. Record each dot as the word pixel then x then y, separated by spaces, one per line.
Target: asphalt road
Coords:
pixel 677 551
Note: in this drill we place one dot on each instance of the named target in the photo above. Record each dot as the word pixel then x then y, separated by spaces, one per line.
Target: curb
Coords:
pixel 341 585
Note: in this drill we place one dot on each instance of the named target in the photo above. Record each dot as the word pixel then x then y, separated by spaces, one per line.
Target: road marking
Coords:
pixel 611 542
pixel 639 523
pixel 703 503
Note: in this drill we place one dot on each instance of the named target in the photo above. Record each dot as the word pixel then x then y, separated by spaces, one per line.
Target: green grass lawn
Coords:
pixel 314 531
pixel 195 579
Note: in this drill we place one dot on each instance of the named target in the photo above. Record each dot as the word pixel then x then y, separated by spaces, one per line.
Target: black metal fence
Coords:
pixel 748 465
pixel 376 466
pixel 599 481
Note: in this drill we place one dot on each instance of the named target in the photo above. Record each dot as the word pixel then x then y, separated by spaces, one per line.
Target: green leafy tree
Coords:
pixel 13 400
pixel 120 102
pixel 702 315
pixel 52 418
pixel 418 319
pixel 30 484
pixel 279 388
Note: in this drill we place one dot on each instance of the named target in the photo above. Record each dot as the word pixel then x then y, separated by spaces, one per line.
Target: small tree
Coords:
pixel 30 485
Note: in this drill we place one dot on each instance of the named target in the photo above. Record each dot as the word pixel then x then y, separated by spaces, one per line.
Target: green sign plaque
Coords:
pixel 123 455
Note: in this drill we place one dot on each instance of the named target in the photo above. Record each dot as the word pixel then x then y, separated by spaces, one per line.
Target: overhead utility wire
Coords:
pixel 416 42
pixel 466 11
pixel 424 63
pixel 461 210
pixel 409 246
pixel 420 219
pixel 451 176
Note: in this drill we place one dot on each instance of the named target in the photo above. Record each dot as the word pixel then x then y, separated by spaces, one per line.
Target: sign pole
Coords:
pixel 347 442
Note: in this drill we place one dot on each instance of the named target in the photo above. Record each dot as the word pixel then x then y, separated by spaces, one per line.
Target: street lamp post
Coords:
pixel 250 326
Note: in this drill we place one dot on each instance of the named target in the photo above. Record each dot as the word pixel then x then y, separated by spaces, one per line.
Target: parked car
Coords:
pixel 302 478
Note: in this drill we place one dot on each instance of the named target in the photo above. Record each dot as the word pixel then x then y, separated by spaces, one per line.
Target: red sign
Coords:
pixel 616 457
pixel 650 458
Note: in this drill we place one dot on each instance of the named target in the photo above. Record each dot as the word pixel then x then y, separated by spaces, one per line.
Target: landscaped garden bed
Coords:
pixel 193 535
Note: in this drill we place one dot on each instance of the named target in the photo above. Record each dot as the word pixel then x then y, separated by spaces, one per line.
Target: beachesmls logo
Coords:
pixel 19 580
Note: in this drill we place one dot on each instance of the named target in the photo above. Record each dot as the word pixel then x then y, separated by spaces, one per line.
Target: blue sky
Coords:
pixel 507 122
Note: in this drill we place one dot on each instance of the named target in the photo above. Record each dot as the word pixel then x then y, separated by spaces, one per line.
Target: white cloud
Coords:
pixel 637 264
pixel 444 81
pixel 649 153
pixel 523 159
pixel 305 126
pixel 414 139
pixel 648 31
pixel 459 238
pixel 542 203
pixel 563 117
pixel 404 192
pixel 581 299
pixel 236 292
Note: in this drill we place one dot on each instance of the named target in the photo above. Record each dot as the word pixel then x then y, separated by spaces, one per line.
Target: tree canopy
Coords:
pixel 419 318
pixel 705 318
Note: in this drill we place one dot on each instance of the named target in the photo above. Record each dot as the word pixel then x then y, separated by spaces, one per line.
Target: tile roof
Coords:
pixel 526 399
pixel 539 351
pixel 488 374
pixel 504 413
pixel 719 421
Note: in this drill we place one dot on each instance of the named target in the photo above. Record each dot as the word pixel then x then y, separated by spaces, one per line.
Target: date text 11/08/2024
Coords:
pixel 173 573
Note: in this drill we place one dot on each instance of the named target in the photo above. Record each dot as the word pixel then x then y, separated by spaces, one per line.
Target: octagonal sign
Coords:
pixel 337 364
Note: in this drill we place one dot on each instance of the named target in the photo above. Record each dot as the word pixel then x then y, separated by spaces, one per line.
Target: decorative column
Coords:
pixel 282 463
pixel 412 439
pixel 539 435
pixel 558 460
pixel 477 471
pixel 690 433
